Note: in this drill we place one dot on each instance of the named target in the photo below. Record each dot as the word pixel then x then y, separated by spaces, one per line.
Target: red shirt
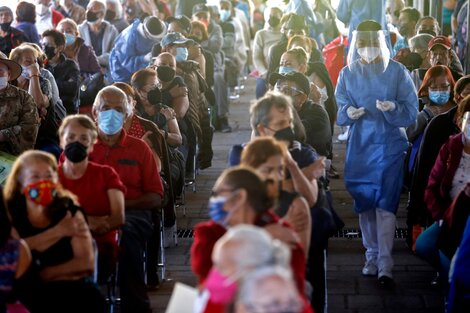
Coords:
pixel 132 159
pixel 206 235
pixel 92 188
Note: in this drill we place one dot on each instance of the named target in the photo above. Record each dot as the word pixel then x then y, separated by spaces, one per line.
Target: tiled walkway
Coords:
pixel 348 290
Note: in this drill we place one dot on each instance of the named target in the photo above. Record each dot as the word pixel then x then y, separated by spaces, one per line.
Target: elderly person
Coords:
pixel 115 15
pixel 48 218
pixel 19 116
pixel 40 89
pixel 97 32
pixel 25 21
pixel 10 37
pixel 77 50
pixel 144 191
pixel 419 44
pixel 46 16
pixel 268 289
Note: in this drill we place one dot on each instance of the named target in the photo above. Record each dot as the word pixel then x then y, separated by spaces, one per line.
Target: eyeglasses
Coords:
pixel 290 91
pixel 217 192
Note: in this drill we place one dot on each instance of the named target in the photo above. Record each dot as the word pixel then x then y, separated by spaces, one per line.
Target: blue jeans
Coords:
pixel 261 87
pixel 426 246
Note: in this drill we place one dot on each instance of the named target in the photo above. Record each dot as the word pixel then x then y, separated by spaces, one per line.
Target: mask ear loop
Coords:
pixel 230 214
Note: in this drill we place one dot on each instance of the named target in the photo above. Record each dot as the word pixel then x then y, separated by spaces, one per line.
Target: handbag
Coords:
pixel 90 87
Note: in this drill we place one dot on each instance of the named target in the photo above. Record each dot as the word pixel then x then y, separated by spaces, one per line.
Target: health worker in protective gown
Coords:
pixel 376 98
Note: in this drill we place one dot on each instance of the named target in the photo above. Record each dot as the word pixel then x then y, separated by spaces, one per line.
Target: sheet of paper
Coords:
pixel 182 299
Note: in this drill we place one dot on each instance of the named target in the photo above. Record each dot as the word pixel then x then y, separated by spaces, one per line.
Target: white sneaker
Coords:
pixel 369 269
pixel 344 136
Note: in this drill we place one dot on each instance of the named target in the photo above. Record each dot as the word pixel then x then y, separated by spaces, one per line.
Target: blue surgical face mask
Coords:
pixel 286 69
pixel 224 15
pixel 25 72
pixel 69 39
pixel 216 209
pixel 181 54
pixel 110 121
pixel 439 97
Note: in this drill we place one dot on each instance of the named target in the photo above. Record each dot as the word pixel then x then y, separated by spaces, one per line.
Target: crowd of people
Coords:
pixel 109 109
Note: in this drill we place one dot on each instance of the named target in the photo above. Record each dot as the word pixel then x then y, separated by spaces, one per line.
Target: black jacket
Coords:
pixel 439 129
pixel 12 40
pixel 67 76
pixel 317 127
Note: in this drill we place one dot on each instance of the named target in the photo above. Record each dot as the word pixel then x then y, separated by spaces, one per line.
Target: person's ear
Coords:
pixel 303 68
pixel 261 130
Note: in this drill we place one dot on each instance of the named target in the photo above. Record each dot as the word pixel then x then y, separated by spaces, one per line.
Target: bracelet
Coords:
pixel 35 75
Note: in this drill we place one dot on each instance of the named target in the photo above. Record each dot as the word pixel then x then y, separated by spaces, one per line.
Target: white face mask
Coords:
pixel 41 9
pixel 3 82
pixel 323 94
pixel 369 54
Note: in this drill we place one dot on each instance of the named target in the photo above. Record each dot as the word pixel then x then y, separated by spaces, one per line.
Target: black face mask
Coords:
pixel 274 21
pixel 110 15
pixel 427 31
pixel 75 152
pixel 286 134
pixel 165 73
pixel 91 16
pixel 5 26
pixel 49 51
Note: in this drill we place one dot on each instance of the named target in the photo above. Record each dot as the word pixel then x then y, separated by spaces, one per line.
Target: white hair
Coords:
pixel 100 2
pixel 98 104
pixel 251 285
pixel 118 7
pixel 254 248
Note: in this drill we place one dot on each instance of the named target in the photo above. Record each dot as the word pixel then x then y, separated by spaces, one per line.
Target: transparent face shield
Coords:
pixel 466 127
pixel 369 51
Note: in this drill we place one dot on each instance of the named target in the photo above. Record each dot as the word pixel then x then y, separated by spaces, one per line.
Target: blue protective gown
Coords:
pixel 127 56
pixel 353 12
pixel 377 142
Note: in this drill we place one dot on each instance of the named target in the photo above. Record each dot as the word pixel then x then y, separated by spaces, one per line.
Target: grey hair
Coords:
pixel 250 285
pixel 98 104
pixel 102 4
pixel 420 41
pixel 254 248
pixel 428 17
pixel 118 6
pixel 259 111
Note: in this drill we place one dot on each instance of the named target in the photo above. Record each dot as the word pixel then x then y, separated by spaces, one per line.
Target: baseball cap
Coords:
pixel 174 39
pixel 298 78
pixel 182 20
pixel 440 40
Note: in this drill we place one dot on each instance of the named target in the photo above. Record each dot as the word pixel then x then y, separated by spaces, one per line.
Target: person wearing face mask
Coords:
pixel 446 197
pixel 132 50
pixel 236 255
pixel 65 71
pixel 46 16
pixel 72 10
pixel 438 130
pixel 198 117
pixel 144 191
pixel 262 42
pixel 77 50
pixel 115 15
pixel 10 37
pixel 49 219
pixel 98 188
pixel 313 116
pixel 19 116
pixel 407 27
pixel 376 98
pixel 241 197
pixel 436 95
pixel 98 33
